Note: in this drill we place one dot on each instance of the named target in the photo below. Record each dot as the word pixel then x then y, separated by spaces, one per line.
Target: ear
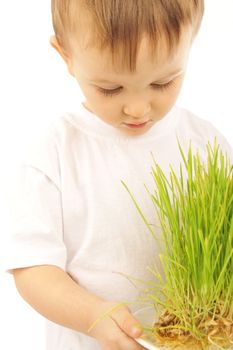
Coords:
pixel 54 43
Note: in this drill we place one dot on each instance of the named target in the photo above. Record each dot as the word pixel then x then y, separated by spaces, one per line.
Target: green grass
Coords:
pixel 195 209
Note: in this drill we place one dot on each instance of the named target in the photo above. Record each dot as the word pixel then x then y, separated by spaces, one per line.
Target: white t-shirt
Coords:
pixel 71 209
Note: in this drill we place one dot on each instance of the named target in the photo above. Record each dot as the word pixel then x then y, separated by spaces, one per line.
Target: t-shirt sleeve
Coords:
pixel 36 233
pixel 35 223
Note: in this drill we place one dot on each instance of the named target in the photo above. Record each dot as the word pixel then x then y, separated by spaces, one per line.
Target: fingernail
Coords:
pixel 136 331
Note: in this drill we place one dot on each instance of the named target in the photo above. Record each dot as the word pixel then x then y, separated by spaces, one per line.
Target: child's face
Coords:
pixel 130 102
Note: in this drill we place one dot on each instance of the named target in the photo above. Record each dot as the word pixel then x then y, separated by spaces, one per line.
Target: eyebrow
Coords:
pixel 172 74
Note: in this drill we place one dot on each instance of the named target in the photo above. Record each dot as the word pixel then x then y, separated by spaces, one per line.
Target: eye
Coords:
pixel 112 92
pixel 107 92
pixel 163 87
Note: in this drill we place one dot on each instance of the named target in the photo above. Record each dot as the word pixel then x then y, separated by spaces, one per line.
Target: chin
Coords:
pixel 134 132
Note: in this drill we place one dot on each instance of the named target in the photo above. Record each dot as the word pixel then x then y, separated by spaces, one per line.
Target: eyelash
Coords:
pixel 110 93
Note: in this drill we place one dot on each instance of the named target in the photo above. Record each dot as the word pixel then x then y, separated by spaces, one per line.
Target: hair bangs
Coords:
pixel 119 26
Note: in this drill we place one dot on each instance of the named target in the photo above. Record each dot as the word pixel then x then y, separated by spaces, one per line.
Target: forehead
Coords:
pixel 98 65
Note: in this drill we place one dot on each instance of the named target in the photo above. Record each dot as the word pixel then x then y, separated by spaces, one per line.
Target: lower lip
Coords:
pixel 136 126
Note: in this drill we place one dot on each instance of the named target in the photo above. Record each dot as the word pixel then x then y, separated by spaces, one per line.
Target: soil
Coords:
pixel 219 334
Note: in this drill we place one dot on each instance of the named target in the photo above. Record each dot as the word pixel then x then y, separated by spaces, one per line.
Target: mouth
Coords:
pixel 136 125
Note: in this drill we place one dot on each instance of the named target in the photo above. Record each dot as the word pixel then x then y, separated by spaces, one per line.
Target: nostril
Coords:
pixel 135 111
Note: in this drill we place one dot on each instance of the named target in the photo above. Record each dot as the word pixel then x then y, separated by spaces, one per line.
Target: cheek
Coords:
pixel 163 102
pixel 106 107
pixel 172 94
pixel 178 85
pixel 169 96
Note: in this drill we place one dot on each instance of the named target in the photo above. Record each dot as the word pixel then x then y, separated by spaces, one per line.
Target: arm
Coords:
pixel 55 295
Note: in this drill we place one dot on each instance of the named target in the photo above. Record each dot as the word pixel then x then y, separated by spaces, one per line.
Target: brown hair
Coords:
pixel 119 24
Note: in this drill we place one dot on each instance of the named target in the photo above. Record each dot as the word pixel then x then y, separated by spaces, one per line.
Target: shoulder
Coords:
pixel 45 151
pixel 64 127
pixel 200 131
pixel 196 126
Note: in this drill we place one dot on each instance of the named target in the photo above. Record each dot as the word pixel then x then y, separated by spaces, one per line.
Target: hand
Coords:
pixel 115 327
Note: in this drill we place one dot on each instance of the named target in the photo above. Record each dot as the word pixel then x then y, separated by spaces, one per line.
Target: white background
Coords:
pixel 35 87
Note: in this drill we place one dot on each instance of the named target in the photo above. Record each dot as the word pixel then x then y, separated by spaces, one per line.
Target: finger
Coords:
pixel 128 324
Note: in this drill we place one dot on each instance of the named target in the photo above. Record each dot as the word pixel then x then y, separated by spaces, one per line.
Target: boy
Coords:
pixel 76 230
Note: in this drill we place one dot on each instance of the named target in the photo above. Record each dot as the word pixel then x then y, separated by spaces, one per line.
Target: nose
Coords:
pixel 137 109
